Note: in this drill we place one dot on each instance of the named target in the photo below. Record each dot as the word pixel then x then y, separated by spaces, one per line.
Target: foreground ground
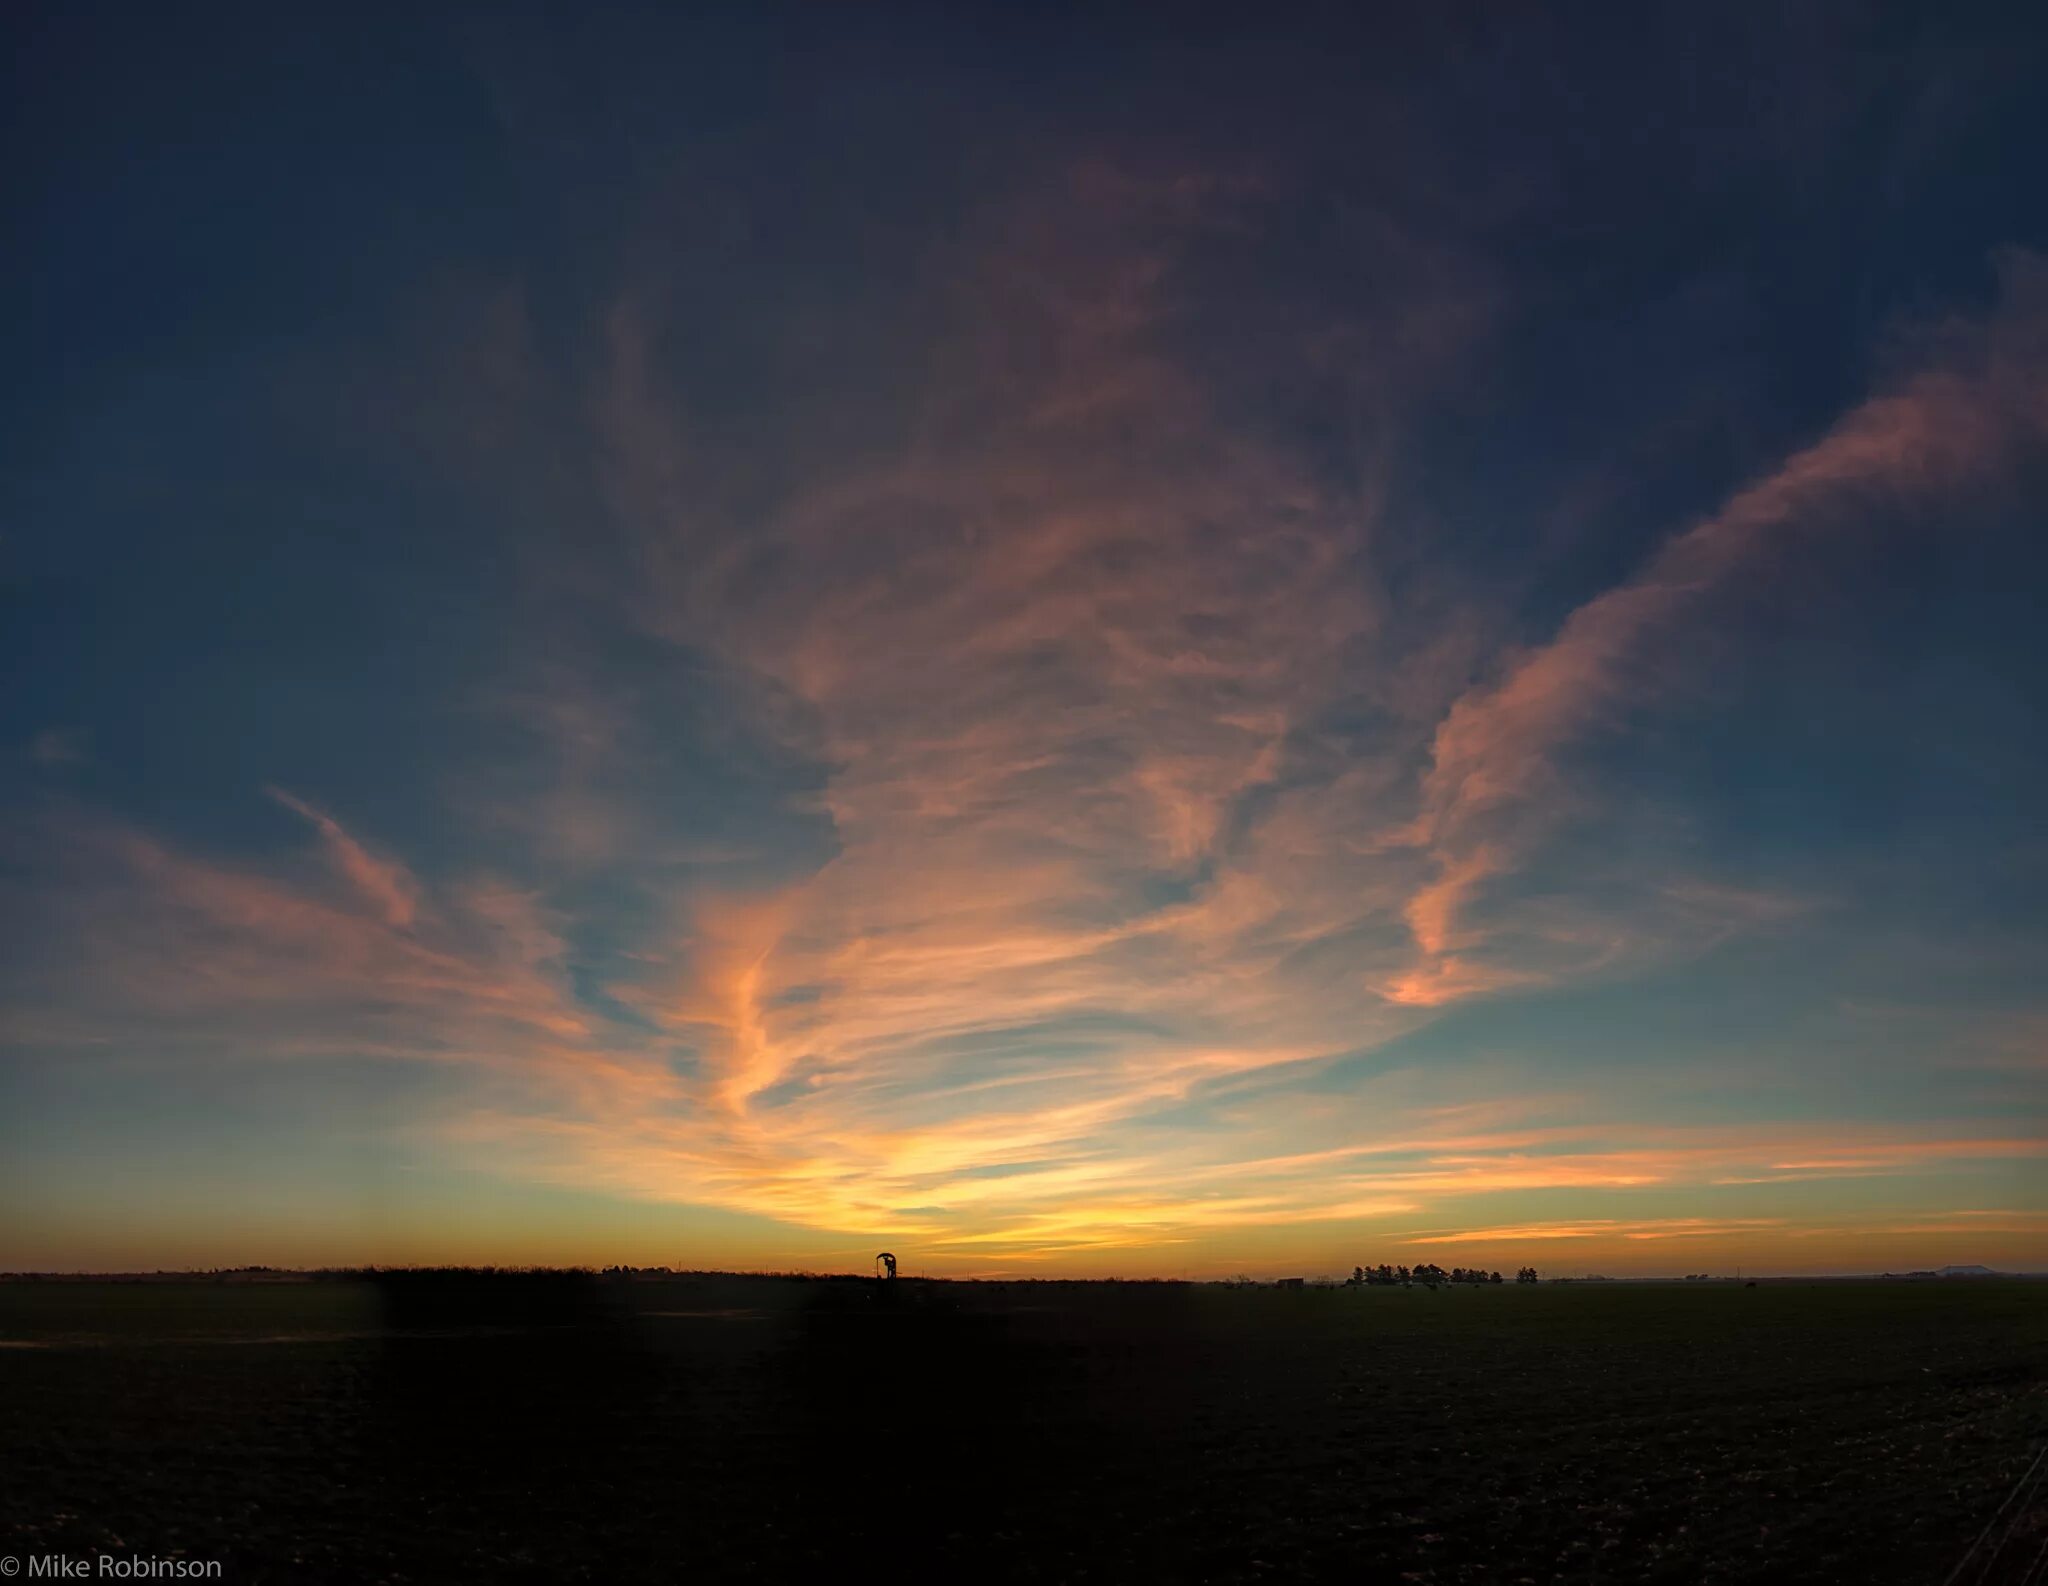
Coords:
pixel 550 1429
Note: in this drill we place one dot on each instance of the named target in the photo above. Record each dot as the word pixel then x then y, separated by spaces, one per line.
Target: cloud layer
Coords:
pixel 1161 789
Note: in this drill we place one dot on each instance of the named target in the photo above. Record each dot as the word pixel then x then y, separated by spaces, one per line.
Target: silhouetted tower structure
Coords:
pixel 885 1265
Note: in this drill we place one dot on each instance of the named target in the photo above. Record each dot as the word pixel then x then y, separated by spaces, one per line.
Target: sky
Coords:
pixel 1060 644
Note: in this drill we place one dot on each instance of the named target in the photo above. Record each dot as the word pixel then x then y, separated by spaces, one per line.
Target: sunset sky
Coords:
pixel 1062 646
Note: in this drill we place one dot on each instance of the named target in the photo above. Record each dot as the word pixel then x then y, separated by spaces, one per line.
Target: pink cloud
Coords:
pixel 1067 659
pixel 382 882
pixel 1494 787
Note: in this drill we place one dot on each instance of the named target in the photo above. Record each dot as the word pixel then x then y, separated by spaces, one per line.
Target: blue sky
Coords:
pixel 1064 645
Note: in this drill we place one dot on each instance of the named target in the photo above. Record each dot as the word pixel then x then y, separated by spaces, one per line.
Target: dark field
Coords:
pixel 552 1429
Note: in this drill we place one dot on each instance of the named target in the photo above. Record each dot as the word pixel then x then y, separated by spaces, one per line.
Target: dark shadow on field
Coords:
pixel 524 1426
pixel 1014 1432
pixel 505 1423
pixel 565 1427
pixel 911 1430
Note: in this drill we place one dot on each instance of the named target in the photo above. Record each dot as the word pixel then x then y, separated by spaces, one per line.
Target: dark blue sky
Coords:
pixel 1077 643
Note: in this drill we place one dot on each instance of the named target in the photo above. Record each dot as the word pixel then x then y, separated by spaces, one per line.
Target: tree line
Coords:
pixel 1429 1274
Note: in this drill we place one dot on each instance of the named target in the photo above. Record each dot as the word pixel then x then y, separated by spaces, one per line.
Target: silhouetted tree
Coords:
pixel 1429 1274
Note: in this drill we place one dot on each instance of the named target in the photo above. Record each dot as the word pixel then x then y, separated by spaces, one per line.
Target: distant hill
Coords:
pixel 1965 1272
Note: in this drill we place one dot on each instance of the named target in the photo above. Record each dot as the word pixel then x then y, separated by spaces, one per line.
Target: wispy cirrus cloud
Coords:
pixel 153 950
pixel 1601 1229
pixel 1142 783
pixel 1027 1161
pixel 383 882
pixel 1054 655
pixel 1496 789
pixel 58 746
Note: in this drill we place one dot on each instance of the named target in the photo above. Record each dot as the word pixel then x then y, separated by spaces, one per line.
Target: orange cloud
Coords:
pixel 1494 787
pixel 1081 663
pixel 1598 1228
pixel 171 950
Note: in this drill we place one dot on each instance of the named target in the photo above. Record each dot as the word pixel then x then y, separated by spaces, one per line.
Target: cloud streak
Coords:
pixel 1495 786
pixel 1155 807
pixel 385 884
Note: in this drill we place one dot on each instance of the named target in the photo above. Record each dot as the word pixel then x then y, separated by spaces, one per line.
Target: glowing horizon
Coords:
pixel 1167 708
